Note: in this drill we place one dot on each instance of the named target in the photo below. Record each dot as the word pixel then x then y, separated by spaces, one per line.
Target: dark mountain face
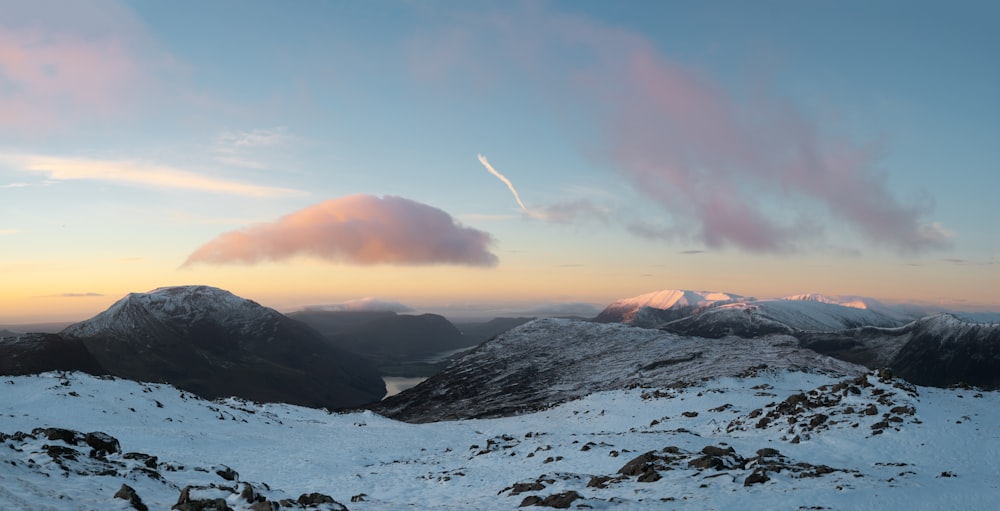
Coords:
pixel 215 344
pixel 938 351
pixel 386 337
pixel 37 353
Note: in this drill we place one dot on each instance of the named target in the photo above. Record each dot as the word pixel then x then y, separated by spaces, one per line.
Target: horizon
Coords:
pixel 482 312
pixel 496 156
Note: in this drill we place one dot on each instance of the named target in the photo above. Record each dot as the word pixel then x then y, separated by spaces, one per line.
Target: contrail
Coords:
pixel 482 159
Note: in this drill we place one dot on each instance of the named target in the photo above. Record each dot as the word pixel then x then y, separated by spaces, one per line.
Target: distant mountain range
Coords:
pixel 669 337
pixel 216 344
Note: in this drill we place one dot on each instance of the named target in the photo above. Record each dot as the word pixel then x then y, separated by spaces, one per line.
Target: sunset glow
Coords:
pixel 326 153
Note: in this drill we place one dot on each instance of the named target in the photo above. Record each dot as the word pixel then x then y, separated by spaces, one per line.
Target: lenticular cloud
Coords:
pixel 358 229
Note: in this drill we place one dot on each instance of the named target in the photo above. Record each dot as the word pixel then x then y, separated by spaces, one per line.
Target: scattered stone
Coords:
pixel 128 493
pixel 758 476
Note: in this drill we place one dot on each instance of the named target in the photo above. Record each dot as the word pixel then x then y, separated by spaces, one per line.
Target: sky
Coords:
pixel 497 157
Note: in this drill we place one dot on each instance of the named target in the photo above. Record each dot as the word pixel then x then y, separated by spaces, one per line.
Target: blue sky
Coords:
pixel 760 148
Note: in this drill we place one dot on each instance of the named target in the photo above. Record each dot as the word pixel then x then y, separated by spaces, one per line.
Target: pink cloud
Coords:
pixel 358 229
pixel 65 64
pixel 724 169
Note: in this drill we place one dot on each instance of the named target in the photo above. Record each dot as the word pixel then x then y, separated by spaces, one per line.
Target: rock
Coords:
pixel 264 506
pixel 711 450
pixel 102 443
pixel 767 452
pixel 530 500
pixel 227 473
pixel 639 465
pixel 316 500
pixel 526 487
pixel 64 435
pixel 57 452
pixel 558 500
pixel 707 462
pixel 186 503
pixel 128 493
pixel 758 476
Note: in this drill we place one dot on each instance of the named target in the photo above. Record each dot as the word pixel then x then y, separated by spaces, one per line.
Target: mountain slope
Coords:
pixel 385 336
pixel 548 361
pixel 36 353
pixel 937 350
pixel 215 344
pixel 857 443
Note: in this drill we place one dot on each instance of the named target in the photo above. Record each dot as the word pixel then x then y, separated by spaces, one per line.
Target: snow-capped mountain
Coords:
pixel 715 314
pixel 940 350
pixel 216 344
pixel 900 314
pixel 760 317
pixel 774 439
pixel 549 361
pixel 659 307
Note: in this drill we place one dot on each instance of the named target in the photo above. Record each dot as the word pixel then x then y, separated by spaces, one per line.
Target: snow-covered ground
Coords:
pixel 878 445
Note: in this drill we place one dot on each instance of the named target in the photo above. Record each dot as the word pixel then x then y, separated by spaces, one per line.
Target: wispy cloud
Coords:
pixel 14 185
pixel 718 165
pixel 7 232
pixel 501 177
pixel 246 148
pixel 137 173
pixel 562 213
pixel 367 304
pixel 78 295
pixel 358 229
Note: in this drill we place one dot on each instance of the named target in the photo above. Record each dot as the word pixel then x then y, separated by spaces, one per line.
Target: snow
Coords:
pixel 473 464
pixel 183 303
pixel 668 298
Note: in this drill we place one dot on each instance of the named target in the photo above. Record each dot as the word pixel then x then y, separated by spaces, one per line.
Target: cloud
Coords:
pixel 65 64
pixel 358 229
pixel 247 148
pixel 501 177
pixel 725 170
pixel 14 185
pixel 691 252
pixel 79 295
pixel 367 304
pixel 137 173
pixel 6 232
pixel 565 309
pixel 560 213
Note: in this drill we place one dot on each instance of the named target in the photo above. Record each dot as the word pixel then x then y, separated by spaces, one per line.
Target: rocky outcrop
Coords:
pixel 219 487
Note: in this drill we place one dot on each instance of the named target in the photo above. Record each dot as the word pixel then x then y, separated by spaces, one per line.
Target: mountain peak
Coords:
pixel 661 306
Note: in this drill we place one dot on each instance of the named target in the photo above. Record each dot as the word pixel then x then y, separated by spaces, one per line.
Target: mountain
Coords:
pixel 385 335
pixel 761 317
pixel 215 344
pixel 35 353
pixel 659 307
pixel 549 361
pixel 484 331
pixel 774 439
pixel 938 350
